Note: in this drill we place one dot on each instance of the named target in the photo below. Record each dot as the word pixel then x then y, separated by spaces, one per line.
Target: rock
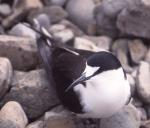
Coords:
pixel 34 92
pixel 147 107
pixel 106 14
pixel 142 113
pixel 21 10
pixel 103 42
pixel 5 10
pixel 22 31
pixel 76 30
pixel 1 30
pixel 137 102
pixel 12 116
pixel 22 52
pixel 61 32
pixel 128 117
pixel 55 2
pixel 81 13
pixel 55 13
pixel 5 75
pixel 134 20
pixel 58 118
pixel 147 57
pixel 145 124
pixel 143 82
pixel 36 124
pixel 132 84
pixel 137 50
pixel 82 43
pixel 120 49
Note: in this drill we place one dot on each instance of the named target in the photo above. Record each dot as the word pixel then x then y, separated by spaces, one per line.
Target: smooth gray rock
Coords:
pixel 58 117
pixel 143 82
pixel 120 49
pixel 55 2
pixel 6 73
pixel 128 117
pixel 12 116
pixel 81 12
pixel 36 124
pixel 34 92
pixel 135 20
pixel 142 113
pixel 137 50
pixel 106 14
pixel 21 9
pixel 76 30
pixel 132 83
pixel 21 51
pixel 147 57
pixel 21 30
pixel 103 42
pixel 82 43
pixel 61 32
pixel 55 13
pixel 5 10
pixel 145 124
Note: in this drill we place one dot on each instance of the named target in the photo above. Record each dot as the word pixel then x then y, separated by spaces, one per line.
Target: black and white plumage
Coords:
pixel 89 84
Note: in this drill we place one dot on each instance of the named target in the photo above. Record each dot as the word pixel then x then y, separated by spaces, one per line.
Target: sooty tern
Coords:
pixel 89 84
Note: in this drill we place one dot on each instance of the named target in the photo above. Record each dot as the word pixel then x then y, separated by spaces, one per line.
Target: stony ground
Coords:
pixel 121 26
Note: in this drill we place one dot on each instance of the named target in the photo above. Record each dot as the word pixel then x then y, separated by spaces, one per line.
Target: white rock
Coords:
pixel 82 43
pixel 22 31
pixel 61 32
pixel 103 42
pixel 12 116
pixel 143 82
pixel 36 124
pixel 137 50
pixel 6 73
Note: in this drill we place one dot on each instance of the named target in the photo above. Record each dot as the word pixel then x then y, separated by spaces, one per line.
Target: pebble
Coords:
pixel 76 30
pixel 20 11
pixel 147 57
pixel 135 19
pixel 120 49
pixel 128 117
pixel 21 30
pixel 6 73
pixel 143 82
pixel 34 92
pixel 55 2
pixel 61 32
pixel 132 83
pixel 58 118
pixel 103 42
pixel 5 10
pixel 137 50
pixel 21 51
pixel 81 13
pixel 142 113
pixel 82 43
pixel 55 13
pixel 36 124
pixel 12 116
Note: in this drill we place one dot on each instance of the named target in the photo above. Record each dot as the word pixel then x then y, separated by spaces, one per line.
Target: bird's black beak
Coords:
pixel 77 81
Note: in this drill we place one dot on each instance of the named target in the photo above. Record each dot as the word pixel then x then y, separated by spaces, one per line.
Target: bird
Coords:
pixel 88 84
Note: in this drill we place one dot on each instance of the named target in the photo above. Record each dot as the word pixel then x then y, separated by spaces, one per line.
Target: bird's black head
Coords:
pixel 104 61
pixel 96 64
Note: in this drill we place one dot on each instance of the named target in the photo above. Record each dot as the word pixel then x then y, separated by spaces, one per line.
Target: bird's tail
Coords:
pixel 45 42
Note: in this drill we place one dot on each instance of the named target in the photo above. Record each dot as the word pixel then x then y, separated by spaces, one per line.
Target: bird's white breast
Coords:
pixel 104 94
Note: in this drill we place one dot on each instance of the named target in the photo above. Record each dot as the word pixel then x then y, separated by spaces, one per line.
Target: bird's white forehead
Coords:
pixel 89 70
